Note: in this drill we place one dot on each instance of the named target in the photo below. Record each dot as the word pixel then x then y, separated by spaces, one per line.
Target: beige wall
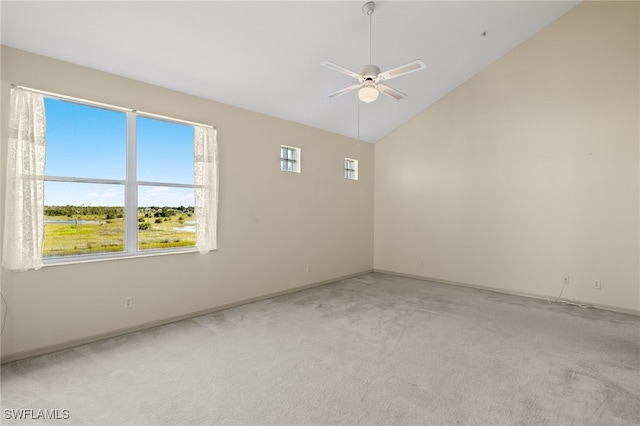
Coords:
pixel 526 172
pixel 271 224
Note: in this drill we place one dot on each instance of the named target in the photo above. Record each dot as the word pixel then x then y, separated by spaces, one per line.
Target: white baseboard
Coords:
pixel 122 331
pixel 510 292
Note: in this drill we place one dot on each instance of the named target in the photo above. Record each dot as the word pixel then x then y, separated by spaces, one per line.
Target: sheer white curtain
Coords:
pixel 205 148
pixel 24 200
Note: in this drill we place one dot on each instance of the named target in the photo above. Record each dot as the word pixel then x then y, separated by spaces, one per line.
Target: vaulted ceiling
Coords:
pixel 265 56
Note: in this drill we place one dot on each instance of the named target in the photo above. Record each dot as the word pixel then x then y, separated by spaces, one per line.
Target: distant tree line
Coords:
pixel 110 212
pixel 154 211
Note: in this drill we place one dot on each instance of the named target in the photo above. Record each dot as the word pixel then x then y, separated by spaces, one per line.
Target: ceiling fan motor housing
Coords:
pixel 369 72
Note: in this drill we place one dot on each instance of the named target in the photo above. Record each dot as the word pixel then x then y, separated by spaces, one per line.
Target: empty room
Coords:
pixel 320 212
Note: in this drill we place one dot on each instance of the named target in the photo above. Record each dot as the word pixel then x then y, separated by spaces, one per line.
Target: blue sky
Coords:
pixel 89 142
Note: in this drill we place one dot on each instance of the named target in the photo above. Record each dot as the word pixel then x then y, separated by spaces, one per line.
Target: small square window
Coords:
pixel 289 159
pixel 350 169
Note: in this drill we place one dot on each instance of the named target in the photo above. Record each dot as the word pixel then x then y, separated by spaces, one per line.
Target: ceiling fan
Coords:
pixel 370 79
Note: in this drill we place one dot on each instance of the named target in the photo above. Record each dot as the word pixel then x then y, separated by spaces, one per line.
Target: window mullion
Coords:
pixel 169 185
pixel 131 191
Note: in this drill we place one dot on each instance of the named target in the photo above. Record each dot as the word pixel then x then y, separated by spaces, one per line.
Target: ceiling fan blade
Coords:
pixel 343 91
pixel 338 68
pixel 413 66
pixel 390 91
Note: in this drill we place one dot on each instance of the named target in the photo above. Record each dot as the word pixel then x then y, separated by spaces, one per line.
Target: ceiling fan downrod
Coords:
pixel 368 9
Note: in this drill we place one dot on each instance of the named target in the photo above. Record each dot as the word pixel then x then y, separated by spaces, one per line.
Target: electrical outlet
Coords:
pixel 597 284
pixel 128 302
pixel 309 267
pixel 565 279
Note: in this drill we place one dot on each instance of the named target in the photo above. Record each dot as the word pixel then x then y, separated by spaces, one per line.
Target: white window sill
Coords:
pixel 87 258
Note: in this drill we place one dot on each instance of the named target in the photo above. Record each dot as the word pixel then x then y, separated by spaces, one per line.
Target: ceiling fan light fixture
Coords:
pixel 368 93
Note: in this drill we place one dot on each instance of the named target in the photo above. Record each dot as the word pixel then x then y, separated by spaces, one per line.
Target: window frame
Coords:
pixel 350 173
pixel 130 185
pixel 286 160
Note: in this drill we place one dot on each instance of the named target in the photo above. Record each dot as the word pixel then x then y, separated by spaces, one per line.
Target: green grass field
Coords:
pixel 107 235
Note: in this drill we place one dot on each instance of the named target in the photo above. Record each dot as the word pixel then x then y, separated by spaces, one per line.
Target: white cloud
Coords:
pixel 158 190
pixel 79 194
pixel 162 196
pixel 109 193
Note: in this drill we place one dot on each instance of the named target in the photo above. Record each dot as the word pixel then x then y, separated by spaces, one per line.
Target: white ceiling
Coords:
pixel 265 56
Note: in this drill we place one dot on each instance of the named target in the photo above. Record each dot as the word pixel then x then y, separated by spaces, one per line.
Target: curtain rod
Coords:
pixel 109 106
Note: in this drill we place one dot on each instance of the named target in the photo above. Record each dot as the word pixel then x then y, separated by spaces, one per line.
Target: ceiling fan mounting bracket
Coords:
pixel 368 8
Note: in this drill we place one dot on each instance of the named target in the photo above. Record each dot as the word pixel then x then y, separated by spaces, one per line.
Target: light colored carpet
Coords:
pixel 375 349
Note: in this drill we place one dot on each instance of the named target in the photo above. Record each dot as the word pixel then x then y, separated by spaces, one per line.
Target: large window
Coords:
pixel 116 182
